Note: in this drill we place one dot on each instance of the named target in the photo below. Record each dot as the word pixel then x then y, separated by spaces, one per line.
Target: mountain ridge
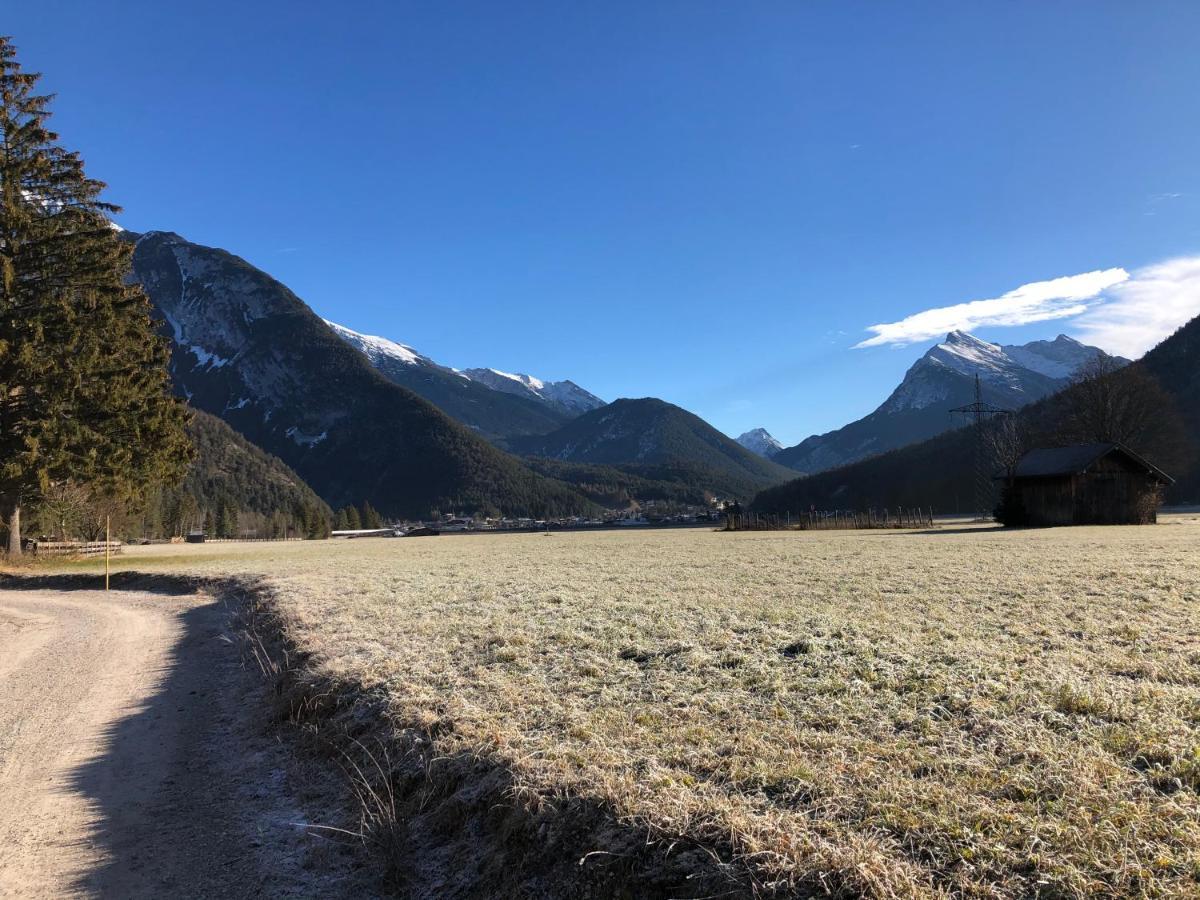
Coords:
pixel 648 431
pixel 495 415
pixel 565 396
pixel 942 379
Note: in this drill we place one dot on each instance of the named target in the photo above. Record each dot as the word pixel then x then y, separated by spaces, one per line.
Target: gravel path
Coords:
pixel 137 759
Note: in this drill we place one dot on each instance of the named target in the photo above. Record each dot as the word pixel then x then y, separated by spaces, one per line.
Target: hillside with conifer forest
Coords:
pixel 234 488
pixel 658 441
pixel 231 489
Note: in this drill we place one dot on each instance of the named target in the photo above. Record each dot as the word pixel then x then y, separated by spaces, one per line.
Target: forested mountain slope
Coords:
pixel 246 349
pixel 232 478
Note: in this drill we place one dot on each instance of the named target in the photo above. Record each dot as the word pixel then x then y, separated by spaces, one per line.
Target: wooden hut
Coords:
pixel 1085 484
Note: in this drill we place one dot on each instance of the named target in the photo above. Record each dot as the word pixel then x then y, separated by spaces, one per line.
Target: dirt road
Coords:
pixel 137 759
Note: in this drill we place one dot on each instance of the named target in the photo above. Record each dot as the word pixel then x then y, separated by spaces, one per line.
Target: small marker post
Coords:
pixel 107 542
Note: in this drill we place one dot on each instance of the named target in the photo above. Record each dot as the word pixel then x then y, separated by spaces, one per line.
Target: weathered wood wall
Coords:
pixel 1109 496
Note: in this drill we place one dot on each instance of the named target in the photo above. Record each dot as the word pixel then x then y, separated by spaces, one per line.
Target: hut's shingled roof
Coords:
pixel 1058 461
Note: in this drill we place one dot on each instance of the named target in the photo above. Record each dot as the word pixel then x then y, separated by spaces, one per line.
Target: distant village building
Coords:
pixel 1085 484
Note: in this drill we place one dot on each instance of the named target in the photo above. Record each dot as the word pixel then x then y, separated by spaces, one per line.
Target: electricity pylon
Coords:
pixel 979 414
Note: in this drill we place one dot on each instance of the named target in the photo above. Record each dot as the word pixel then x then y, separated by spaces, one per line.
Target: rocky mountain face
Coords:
pixel 650 432
pixel 565 397
pixel 760 441
pixel 944 378
pixel 247 350
pixel 494 414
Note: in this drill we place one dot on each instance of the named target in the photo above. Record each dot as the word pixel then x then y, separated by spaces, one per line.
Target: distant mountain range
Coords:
pixel 760 441
pixel 938 471
pixel 246 349
pixel 365 418
pixel 494 414
pixel 649 432
pixel 941 380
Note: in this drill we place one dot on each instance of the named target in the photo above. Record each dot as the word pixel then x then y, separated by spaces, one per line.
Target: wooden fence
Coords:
pixel 246 540
pixel 74 548
pixel 813 520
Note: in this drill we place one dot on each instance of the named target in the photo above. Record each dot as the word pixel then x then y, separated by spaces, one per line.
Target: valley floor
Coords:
pixel 962 710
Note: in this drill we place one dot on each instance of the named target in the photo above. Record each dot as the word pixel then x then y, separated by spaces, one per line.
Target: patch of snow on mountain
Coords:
pixel 534 384
pixel 210 360
pixel 1062 357
pixel 566 395
pixel 305 440
pixel 205 357
pixel 377 348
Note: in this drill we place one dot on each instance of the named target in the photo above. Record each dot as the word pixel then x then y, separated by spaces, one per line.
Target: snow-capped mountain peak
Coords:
pixel 377 349
pixel 564 395
pixel 760 441
pixel 966 353
pixel 1010 376
pixel 1017 374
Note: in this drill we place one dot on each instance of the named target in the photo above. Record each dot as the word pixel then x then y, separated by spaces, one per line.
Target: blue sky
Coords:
pixel 708 202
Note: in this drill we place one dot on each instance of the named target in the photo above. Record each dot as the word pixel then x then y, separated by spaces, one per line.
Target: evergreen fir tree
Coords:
pixel 227 519
pixel 83 376
pixel 300 519
pixel 353 520
pixel 210 524
pixel 339 520
pixel 370 517
pixel 318 524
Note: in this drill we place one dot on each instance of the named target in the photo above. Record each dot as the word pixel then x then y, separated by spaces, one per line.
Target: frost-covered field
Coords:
pixel 970 712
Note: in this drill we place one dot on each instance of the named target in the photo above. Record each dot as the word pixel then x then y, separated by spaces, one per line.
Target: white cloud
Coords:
pixel 1137 314
pixel 1039 301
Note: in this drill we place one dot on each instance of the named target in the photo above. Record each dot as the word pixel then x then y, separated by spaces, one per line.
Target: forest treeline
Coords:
pixel 231 489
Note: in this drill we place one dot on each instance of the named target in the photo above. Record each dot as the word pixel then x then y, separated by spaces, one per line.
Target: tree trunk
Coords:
pixel 14 529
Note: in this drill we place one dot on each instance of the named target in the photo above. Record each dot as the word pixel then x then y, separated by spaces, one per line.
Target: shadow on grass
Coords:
pixel 152 583
pixel 973 528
